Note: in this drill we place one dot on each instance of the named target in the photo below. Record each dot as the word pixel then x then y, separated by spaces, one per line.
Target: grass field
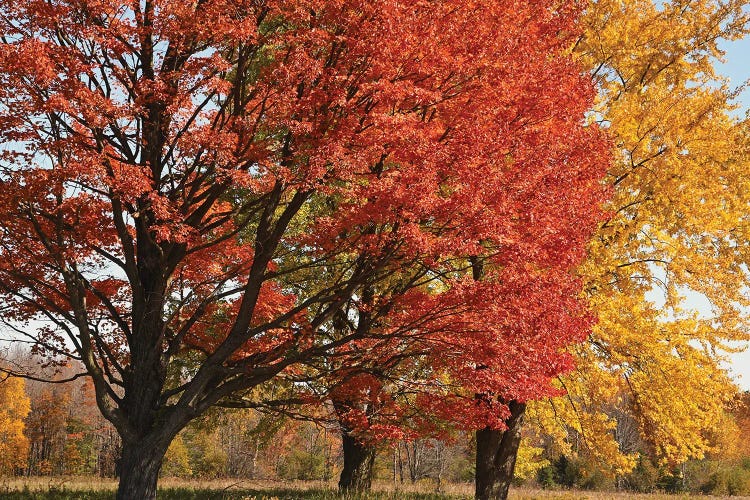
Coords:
pixel 77 488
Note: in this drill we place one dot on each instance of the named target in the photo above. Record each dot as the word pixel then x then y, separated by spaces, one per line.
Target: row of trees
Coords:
pixel 376 213
pixel 63 433
pixel 53 429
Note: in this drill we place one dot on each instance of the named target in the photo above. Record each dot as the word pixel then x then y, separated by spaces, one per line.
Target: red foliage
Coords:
pixel 180 173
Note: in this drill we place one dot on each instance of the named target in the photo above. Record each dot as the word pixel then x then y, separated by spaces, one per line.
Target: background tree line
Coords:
pixel 56 430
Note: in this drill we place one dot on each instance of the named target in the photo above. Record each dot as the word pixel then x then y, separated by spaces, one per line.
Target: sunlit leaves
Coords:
pixel 666 273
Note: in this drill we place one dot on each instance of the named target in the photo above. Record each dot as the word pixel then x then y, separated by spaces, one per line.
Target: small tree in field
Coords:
pixel 175 173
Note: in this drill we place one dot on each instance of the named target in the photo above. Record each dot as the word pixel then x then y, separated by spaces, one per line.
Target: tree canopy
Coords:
pixel 174 172
pixel 676 233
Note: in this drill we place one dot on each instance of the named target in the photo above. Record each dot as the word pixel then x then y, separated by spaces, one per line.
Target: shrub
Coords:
pixel 546 477
pixel 728 481
pixel 302 465
pixel 643 478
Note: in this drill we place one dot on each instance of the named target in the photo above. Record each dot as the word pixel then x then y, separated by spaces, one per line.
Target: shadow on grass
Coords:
pixel 233 494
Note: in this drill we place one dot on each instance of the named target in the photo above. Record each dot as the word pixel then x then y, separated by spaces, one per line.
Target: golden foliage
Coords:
pixel 177 459
pixel 14 406
pixel 529 460
pixel 676 239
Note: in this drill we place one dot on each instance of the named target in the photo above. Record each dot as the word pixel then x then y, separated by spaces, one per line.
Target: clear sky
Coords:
pixel 737 69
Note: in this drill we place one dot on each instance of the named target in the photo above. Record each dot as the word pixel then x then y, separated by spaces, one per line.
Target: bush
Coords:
pixel 575 472
pixel 302 465
pixel 177 460
pixel 643 478
pixel 671 481
pixel 728 481
pixel 207 458
pixel 546 477
pixel 593 478
pixel 567 471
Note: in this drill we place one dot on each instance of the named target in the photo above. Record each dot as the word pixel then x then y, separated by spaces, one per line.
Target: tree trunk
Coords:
pixel 413 461
pixel 496 456
pixel 358 462
pixel 139 471
pixel 400 465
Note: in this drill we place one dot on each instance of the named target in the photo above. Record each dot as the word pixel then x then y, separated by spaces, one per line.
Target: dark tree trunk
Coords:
pixel 496 456
pixel 139 471
pixel 359 459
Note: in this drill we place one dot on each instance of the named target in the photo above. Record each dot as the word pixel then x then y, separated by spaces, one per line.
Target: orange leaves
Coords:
pixel 232 21
pixel 295 189
pixel 23 56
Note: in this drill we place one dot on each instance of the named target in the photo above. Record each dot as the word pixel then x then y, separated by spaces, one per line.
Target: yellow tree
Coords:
pixel 676 236
pixel 14 406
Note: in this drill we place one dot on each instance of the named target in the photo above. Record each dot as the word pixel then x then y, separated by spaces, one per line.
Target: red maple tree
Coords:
pixel 174 172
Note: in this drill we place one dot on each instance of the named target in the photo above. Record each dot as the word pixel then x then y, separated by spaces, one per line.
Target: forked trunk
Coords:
pixel 359 459
pixel 139 471
pixel 496 456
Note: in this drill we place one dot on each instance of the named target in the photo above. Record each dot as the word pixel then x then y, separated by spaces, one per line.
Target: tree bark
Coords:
pixel 496 456
pixel 139 471
pixel 413 460
pixel 359 459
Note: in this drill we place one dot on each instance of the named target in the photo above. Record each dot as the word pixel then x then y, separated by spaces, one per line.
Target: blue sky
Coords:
pixel 737 68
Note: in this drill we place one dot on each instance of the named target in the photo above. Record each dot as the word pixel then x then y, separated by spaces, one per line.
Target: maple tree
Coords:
pixel 391 391
pixel 677 224
pixel 164 164
pixel 502 302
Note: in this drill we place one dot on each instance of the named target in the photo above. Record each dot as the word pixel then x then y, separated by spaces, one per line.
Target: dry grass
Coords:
pixel 76 483
pixel 237 488
pixel 530 494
